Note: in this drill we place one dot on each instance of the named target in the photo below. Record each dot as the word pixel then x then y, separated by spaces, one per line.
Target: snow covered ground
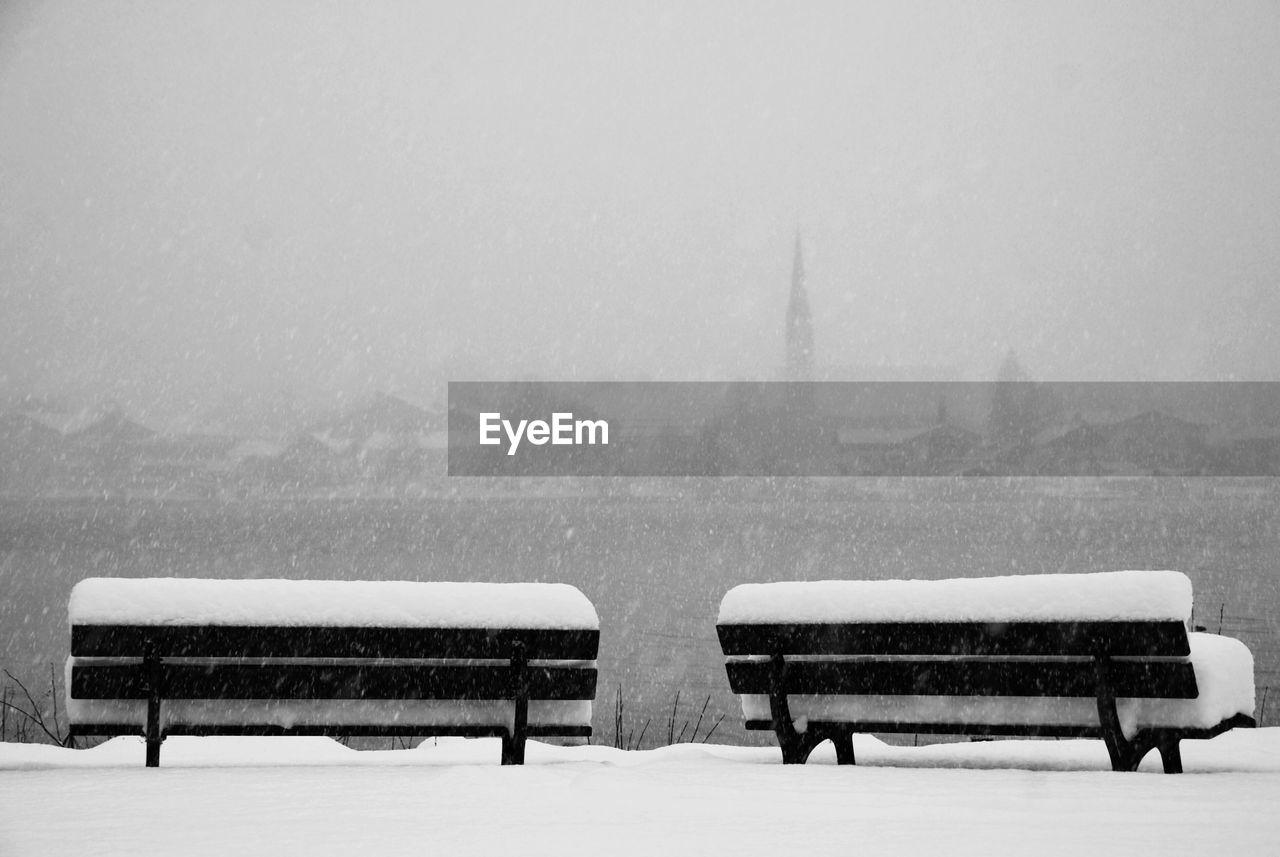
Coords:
pixel 243 796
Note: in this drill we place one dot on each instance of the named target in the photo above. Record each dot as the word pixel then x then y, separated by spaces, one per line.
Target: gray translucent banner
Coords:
pixel 1014 428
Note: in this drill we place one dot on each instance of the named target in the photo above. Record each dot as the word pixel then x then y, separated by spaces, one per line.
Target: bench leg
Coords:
pixel 513 742
pixel 844 748
pixel 795 746
pixel 1128 755
pixel 153 736
pixel 513 749
pixel 795 749
pixel 1125 755
pixel 1171 755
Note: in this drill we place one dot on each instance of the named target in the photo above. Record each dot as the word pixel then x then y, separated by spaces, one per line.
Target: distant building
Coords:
pixel 941 450
pixel 799 366
pixel 1249 452
pixel 110 444
pixel 1151 442
pixel 387 439
pixel 29 452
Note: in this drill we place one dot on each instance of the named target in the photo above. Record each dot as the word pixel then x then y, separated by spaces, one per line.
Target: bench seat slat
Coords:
pixel 296 681
pixel 1169 679
pixel 1018 730
pixel 336 730
pixel 1147 639
pixel 1024 730
pixel 239 641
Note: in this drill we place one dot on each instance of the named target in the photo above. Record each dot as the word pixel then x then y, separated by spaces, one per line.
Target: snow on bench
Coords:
pixel 341 658
pixel 1104 655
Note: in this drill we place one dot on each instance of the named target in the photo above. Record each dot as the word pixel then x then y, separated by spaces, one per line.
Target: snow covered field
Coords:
pixel 239 796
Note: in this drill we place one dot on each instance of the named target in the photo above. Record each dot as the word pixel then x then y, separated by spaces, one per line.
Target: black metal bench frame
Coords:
pixel 159 663
pixel 1101 660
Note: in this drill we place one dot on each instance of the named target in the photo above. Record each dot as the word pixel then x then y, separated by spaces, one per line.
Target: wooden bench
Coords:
pixel 1019 678
pixel 167 677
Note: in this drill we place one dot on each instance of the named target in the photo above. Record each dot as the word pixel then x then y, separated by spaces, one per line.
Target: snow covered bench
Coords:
pixel 162 657
pixel 1075 655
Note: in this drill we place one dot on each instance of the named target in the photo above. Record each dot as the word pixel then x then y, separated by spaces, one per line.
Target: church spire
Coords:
pixel 799 323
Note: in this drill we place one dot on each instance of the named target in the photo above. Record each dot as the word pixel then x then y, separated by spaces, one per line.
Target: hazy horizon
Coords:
pixel 209 204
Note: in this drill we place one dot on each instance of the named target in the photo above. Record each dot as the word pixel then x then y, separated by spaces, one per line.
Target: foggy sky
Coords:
pixel 203 200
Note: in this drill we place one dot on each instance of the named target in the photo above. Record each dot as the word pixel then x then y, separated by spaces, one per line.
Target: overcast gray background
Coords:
pixel 202 201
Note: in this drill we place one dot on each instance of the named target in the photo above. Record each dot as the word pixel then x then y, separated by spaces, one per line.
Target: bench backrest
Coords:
pixel 263 662
pixel 1143 658
pixel 257 641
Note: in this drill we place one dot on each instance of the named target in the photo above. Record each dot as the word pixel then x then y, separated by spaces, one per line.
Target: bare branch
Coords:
pixel 641 738
pixel 34 719
pixel 671 721
pixel 694 736
pixel 34 715
pixel 53 698
pixel 23 688
pixel 707 737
